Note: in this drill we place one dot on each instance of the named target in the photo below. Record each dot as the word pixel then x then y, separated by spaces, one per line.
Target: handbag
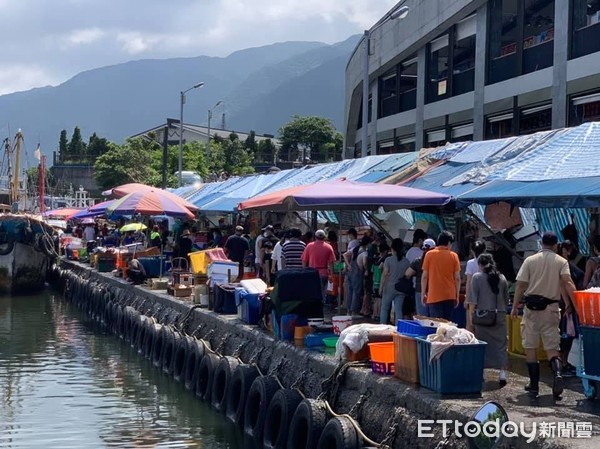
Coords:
pixel 485 318
pixel 404 285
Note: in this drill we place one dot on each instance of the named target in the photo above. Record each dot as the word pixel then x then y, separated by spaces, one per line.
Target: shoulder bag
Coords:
pixel 485 317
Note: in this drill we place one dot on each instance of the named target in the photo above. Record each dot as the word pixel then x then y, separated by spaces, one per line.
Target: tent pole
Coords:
pixel 377 222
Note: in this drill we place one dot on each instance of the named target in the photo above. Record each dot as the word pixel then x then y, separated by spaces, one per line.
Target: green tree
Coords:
pixel 267 152
pixel 304 136
pixel 130 162
pixel 194 159
pixel 251 145
pixel 96 146
pixel 63 146
pixel 33 175
pixel 238 160
pixel 76 147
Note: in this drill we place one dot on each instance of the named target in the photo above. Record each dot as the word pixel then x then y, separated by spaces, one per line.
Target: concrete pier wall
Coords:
pixel 378 403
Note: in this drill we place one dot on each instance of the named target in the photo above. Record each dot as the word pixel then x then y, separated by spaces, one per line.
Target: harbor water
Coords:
pixel 67 383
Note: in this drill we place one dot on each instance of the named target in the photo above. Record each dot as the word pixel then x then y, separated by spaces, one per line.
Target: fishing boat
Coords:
pixel 26 241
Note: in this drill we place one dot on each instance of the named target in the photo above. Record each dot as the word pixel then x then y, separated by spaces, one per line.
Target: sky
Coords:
pixel 46 42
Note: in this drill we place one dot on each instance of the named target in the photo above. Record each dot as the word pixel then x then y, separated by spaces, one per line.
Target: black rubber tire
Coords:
pixel 255 411
pixel 6 250
pixel 307 424
pixel 339 433
pixel 206 372
pixel 151 337
pixel 222 382
pixel 166 356
pixel 240 384
pixel 136 328
pixel 142 335
pixel 116 308
pixel 157 346
pixel 106 317
pixel 279 415
pixel 192 364
pixel 184 346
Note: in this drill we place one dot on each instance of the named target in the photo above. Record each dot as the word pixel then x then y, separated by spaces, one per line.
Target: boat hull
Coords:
pixel 23 268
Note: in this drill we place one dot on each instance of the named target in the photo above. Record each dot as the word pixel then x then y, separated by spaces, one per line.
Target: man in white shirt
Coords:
pixel 416 250
pixel 267 231
pixel 89 233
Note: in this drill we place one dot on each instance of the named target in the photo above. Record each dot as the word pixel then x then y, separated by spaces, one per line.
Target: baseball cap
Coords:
pixel 239 229
pixel 320 234
pixel 268 228
pixel 428 244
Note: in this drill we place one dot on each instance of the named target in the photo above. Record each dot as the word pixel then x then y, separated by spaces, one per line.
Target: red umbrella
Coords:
pixel 64 212
pixel 125 189
pixel 345 195
pixel 152 202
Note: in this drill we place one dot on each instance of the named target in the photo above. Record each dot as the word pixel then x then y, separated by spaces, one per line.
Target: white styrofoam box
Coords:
pixel 222 267
pixel 254 286
pixel 526 231
pixel 528 245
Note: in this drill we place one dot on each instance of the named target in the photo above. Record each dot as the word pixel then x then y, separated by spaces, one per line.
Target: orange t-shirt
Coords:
pixel 441 265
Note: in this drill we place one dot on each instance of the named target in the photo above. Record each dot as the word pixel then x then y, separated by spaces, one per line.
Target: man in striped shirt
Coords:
pixel 291 251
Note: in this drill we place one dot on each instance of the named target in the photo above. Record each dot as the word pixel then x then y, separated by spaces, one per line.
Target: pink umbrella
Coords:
pixel 64 212
pixel 125 189
pixel 152 202
pixel 343 194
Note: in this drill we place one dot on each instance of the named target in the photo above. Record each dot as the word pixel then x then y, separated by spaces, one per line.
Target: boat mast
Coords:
pixel 42 183
pixel 18 140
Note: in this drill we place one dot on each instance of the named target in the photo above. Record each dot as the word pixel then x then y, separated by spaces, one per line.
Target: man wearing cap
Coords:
pixel 440 282
pixel 416 249
pixel 236 248
pixel 320 256
pixel 416 270
pixel 541 280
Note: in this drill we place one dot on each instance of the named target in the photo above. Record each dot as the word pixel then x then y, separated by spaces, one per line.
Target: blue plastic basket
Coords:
pixel 458 371
pixel 311 340
pixel 414 328
pixel 591 342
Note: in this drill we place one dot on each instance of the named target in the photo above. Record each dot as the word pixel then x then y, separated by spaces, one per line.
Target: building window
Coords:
pixel 388 90
pixel 462 133
pixel 406 144
pixel 584 109
pixel 503 37
pixel 408 84
pixel 463 65
pixel 438 69
pixel 386 147
pixel 535 119
pixel 436 138
pixel 586 27
pixel 499 126
pixel 538 35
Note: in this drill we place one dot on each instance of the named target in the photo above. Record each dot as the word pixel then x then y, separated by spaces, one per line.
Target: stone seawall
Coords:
pixel 383 406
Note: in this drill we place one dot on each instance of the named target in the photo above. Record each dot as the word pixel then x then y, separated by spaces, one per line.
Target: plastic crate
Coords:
pixel 459 370
pixel 382 357
pixel 591 342
pixel 414 328
pixel 588 307
pixel 406 358
pixel 106 265
pixel 515 341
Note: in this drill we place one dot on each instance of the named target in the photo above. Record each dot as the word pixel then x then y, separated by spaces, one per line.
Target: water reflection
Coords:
pixel 64 383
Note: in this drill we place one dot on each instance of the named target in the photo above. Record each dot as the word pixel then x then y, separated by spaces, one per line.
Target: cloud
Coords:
pixel 19 77
pixel 65 37
pixel 84 36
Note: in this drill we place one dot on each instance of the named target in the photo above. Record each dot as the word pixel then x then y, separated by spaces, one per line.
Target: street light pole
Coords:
pixel 399 13
pixel 181 103
pixel 210 113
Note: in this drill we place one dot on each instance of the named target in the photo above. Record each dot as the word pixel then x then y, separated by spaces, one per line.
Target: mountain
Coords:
pixel 260 88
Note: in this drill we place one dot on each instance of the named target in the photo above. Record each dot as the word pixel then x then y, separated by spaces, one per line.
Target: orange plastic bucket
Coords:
pixel 588 307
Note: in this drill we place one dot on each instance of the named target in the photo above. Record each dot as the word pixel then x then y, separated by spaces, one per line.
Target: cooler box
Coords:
pixel 406 358
pixel 201 260
pixel 151 265
pixel 223 271
pixel 238 301
pixel 458 371
pixel 225 299
pixel 591 356
pixel 250 303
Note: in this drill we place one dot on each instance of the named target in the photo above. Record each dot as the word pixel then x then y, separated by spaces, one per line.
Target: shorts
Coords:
pixel 541 324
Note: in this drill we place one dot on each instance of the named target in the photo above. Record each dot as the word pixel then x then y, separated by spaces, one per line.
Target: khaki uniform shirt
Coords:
pixel 542 272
